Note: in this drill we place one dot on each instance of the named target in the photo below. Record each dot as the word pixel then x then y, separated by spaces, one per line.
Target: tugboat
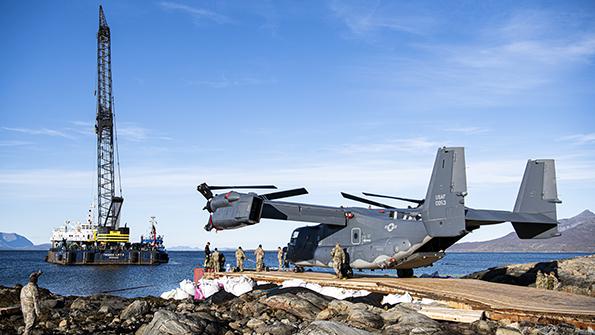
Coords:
pixel 103 241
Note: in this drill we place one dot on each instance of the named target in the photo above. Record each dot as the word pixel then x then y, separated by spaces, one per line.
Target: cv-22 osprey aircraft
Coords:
pixel 391 237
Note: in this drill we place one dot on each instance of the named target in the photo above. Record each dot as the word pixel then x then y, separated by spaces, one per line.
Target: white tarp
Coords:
pixel 333 292
pixel 207 287
pixel 176 294
pixel 237 286
pixel 240 285
pixel 187 286
pixel 393 299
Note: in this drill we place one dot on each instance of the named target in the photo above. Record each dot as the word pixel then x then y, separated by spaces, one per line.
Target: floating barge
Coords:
pixel 88 244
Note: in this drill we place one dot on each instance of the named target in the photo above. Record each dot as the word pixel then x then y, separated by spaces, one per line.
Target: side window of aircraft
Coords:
pixel 356 236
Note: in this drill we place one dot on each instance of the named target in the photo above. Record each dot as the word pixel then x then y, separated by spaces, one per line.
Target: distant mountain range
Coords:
pixel 12 241
pixel 578 235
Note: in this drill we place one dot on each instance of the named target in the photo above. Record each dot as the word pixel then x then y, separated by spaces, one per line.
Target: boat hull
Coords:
pixel 108 257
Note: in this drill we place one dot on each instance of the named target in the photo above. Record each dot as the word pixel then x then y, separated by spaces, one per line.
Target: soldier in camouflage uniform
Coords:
pixel 540 280
pixel 259 253
pixel 240 256
pixel 552 281
pixel 207 264
pixel 280 258
pixel 215 263
pixel 30 305
pixel 338 256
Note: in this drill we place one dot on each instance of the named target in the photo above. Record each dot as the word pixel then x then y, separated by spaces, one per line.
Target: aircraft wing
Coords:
pixel 303 212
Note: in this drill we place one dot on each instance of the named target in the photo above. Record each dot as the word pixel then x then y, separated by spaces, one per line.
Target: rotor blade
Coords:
pixel 284 194
pixel 366 201
pixel 416 201
pixel 244 186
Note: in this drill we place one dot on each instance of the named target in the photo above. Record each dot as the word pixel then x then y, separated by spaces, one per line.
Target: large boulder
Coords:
pixel 80 304
pixel 404 320
pixel 277 328
pixel 357 315
pixel 575 275
pixel 321 327
pixel 135 309
pixel 293 304
pixel 169 323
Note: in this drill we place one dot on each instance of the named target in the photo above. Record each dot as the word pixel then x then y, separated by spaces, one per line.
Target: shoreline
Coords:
pixel 274 309
pixel 267 308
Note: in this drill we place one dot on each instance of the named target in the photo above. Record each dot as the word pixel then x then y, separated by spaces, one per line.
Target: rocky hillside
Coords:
pixel 578 235
pixel 267 309
pixel 12 241
pixel 575 275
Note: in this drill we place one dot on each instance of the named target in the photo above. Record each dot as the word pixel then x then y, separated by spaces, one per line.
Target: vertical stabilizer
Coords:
pixel 538 195
pixel 444 207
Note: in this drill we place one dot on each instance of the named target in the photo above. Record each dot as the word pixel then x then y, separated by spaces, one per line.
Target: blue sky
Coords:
pixel 332 96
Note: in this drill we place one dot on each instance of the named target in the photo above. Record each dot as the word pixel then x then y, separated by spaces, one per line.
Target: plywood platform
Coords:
pixel 500 301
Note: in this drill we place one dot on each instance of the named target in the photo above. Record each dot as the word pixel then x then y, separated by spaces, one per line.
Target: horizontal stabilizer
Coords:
pixel 534 214
pixel 537 195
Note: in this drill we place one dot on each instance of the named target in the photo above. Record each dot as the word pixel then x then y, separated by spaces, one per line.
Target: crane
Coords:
pixel 108 203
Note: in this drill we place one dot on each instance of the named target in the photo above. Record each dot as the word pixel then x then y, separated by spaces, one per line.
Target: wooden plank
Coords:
pixel 498 300
pixel 451 314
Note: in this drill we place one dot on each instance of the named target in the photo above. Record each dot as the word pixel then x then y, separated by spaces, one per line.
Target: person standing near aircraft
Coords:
pixel 215 260
pixel 240 256
pixel 338 259
pixel 259 253
pixel 207 264
pixel 280 258
pixel 30 305
pixel 221 261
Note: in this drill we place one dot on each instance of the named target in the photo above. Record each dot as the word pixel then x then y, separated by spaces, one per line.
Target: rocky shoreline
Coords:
pixel 267 309
pixel 574 275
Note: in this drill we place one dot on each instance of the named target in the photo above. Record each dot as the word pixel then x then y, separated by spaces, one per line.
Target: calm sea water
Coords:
pixel 15 267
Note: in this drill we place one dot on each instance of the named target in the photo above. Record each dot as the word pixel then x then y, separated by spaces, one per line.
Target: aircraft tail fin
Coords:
pixel 538 196
pixel 444 206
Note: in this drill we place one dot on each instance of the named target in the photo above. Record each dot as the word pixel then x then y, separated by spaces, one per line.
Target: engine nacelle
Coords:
pixel 235 211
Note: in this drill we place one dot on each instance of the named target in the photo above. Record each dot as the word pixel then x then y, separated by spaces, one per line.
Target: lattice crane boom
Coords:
pixel 108 204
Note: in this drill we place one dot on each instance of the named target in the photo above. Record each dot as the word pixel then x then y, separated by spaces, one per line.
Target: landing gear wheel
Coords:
pixel 347 271
pixel 405 273
pixel 298 269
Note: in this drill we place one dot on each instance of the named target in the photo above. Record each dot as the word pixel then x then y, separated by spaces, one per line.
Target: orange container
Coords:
pixel 198 273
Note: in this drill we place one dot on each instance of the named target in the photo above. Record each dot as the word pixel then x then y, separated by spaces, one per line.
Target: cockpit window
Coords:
pixel 295 234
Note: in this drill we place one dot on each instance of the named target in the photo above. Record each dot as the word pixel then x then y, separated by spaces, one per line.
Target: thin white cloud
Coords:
pixel 135 133
pixel 500 64
pixel 364 18
pixel 467 130
pixel 580 138
pixel 40 131
pixel 126 131
pixel 226 82
pixel 13 143
pixel 389 147
pixel 199 14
